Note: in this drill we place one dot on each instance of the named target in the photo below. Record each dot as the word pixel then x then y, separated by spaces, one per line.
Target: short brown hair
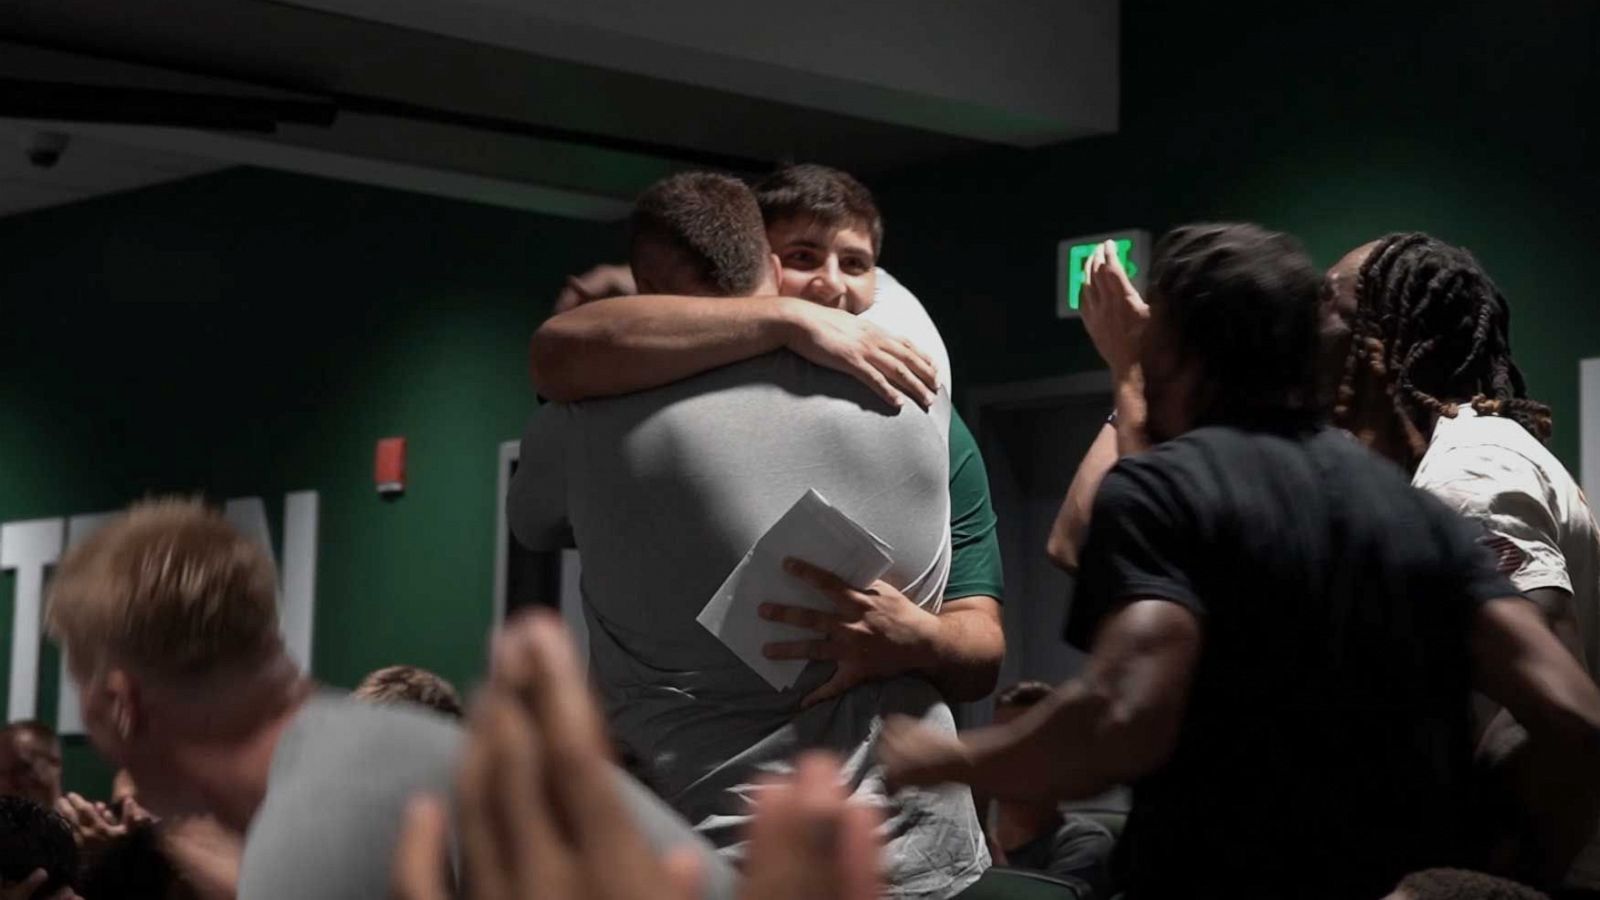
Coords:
pixel 169 586
pixel 1460 884
pixel 711 222
pixel 410 684
pixel 1023 694
pixel 830 197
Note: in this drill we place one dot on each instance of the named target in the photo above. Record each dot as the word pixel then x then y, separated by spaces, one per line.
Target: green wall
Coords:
pixel 250 333
pixel 1337 122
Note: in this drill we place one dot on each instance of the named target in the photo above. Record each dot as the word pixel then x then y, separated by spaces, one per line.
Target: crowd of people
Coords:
pixel 1340 605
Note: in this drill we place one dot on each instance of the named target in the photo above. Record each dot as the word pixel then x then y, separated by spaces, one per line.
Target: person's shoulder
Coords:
pixel 1188 451
pixel 1490 449
pixel 338 730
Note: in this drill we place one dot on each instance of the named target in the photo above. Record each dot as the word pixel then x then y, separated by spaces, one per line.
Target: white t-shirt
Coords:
pixel 898 311
pixel 1538 523
pixel 1492 471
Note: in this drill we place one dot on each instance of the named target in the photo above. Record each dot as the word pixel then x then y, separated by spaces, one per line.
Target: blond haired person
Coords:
pixel 168 616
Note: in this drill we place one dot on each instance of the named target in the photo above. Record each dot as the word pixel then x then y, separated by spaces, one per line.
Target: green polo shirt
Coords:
pixel 975 568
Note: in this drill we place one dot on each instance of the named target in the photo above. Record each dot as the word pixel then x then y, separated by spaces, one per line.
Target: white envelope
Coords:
pixel 815 531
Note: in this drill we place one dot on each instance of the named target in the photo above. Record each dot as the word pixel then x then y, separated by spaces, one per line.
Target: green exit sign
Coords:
pixel 1133 249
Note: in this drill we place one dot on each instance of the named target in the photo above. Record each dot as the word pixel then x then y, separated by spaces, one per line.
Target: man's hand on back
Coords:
pixel 875 633
pixel 582 352
pixel 839 340
pixel 602 281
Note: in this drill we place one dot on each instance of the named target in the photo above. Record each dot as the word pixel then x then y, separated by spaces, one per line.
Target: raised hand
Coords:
pixel 93 824
pixel 539 812
pixel 1113 312
pixel 808 841
pixel 915 755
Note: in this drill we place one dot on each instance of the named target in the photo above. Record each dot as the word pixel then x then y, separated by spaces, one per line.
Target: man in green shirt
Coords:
pixel 837 310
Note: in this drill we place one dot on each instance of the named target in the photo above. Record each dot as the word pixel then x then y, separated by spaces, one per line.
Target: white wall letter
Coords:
pixel 298 574
pixel 27 547
pixel 69 718
pixel 298 600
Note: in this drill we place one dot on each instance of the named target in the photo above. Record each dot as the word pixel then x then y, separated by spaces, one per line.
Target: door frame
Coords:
pixel 1012 395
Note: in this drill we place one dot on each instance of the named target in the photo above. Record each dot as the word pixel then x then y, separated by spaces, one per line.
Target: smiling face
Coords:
pixel 830 266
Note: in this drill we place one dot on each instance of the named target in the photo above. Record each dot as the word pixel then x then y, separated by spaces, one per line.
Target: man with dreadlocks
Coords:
pixel 1420 339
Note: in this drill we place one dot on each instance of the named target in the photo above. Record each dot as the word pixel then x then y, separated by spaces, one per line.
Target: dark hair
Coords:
pixel 1460 884
pixel 1431 329
pixel 830 197
pixel 1023 694
pixel 1243 302
pixel 38 729
pixel 711 222
pixel 135 866
pixel 32 837
pixel 410 684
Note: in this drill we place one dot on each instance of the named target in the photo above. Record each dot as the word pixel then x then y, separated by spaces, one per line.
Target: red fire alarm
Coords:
pixel 389 471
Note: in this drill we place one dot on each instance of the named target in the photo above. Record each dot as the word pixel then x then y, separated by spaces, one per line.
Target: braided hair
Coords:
pixel 1431 329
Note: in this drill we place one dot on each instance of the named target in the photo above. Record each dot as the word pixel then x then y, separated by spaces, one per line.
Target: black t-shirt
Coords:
pixel 1326 744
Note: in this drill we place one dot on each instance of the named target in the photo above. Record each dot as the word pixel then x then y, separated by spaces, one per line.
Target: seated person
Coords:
pixel 168 617
pixel 664 491
pixel 1036 834
pixel 30 762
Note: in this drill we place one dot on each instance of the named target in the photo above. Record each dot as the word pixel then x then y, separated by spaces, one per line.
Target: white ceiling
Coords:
pixel 89 167
pixel 1021 72
pixel 566 107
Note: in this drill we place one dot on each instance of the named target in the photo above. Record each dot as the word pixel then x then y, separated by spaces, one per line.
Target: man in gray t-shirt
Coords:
pixel 665 491
pixel 169 619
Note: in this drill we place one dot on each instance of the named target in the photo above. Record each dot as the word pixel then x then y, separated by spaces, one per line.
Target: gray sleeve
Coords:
pixel 331 845
pixel 341 778
pixel 1080 854
pixel 666 830
pixel 536 507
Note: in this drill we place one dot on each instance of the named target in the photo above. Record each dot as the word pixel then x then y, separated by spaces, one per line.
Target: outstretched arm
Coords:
pixel 1117 721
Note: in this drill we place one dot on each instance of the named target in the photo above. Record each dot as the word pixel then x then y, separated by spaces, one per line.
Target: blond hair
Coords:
pixel 410 684
pixel 168 586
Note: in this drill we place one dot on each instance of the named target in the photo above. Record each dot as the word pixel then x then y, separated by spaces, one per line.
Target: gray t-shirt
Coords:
pixel 664 491
pixel 336 794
